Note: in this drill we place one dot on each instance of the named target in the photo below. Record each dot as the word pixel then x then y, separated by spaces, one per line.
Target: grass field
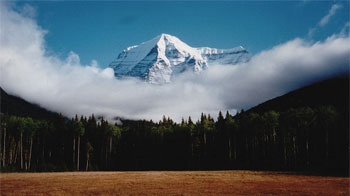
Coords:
pixel 186 183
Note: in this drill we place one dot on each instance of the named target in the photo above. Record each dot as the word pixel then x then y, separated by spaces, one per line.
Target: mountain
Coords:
pixel 157 60
pixel 332 91
pixel 12 105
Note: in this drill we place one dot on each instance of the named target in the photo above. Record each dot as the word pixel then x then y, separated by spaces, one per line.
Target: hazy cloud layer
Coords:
pixel 71 88
pixel 325 19
pixel 331 12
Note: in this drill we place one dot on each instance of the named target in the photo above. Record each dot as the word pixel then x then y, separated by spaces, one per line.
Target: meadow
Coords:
pixel 171 183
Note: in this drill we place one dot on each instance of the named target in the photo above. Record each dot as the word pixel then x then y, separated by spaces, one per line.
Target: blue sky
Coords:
pixel 302 42
pixel 100 30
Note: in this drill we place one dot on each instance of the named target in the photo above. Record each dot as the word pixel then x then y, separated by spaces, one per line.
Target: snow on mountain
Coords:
pixel 164 56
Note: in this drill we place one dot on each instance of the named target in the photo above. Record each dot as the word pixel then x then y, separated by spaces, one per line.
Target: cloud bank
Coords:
pixel 71 88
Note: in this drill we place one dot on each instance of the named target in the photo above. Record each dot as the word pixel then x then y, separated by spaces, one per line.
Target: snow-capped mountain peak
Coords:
pixel 164 56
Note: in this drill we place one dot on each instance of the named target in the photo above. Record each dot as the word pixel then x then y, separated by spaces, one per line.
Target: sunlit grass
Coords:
pixel 185 183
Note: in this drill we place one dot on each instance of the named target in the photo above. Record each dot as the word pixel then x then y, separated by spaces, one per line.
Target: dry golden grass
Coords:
pixel 185 183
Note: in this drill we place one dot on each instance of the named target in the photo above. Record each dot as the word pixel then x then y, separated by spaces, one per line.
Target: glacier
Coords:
pixel 165 56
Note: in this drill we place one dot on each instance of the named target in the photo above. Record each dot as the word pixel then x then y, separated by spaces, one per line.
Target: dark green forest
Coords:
pixel 277 135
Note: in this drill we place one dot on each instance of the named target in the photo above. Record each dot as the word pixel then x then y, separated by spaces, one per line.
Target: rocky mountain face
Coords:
pixel 163 57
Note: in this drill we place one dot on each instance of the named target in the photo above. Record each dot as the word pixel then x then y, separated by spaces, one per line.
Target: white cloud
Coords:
pixel 324 20
pixel 345 29
pixel 311 32
pixel 28 11
pixel 69 87
pixel 331 12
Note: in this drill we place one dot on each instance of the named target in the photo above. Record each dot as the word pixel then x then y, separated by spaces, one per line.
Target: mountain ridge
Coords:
pixel 13 105
pixel 165 56
pixel 332 91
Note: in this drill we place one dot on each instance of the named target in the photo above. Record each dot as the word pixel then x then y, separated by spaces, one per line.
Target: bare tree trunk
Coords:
pixel 102 156
pixel 12 149
pixel 25 157
pixel 284 152
pixel 106 154
pixel 327 147
pixel 294 152
pixel 307 153
pixel 73 151
pixel 87 163
pixel 110 145
pixel 229 150
pixel 43 151
pixel 30 151
pixel 235 150
pixel 191 149
pixel 17 148
pixel 1 145
pixel 4 149
pixel 110 150
pixel 78 152
pixel 87 157
pixel 21 150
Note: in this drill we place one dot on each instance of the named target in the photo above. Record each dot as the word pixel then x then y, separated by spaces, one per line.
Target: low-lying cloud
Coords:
pixel 71 88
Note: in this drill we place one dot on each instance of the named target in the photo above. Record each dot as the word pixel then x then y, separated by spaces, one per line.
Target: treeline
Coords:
pixel 298 139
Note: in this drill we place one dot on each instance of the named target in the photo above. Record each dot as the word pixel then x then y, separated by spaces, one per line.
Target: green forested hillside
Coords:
pixel 334 91
pixel 12 105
